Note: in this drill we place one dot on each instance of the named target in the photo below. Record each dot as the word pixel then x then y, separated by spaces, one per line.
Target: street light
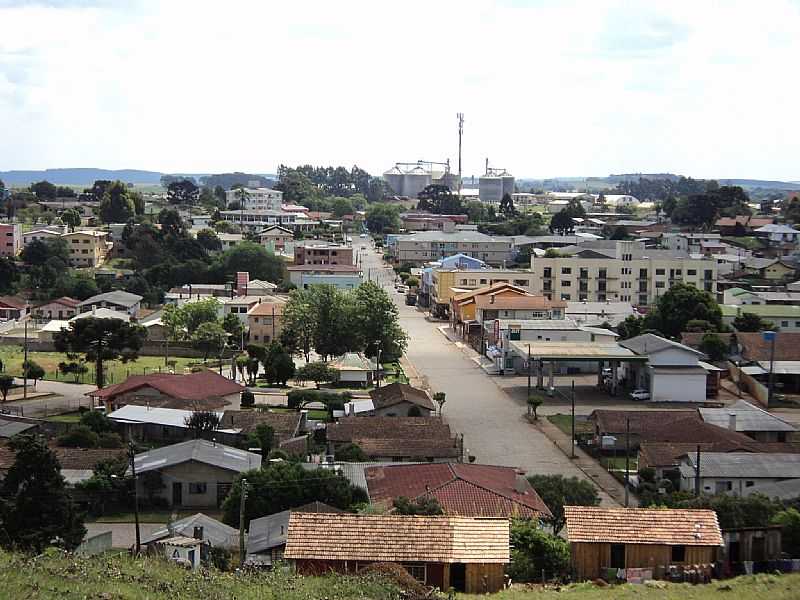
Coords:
pixel 132 462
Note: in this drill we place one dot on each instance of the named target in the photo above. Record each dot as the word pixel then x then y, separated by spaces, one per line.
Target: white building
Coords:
pixel 735 472
pixel 256 198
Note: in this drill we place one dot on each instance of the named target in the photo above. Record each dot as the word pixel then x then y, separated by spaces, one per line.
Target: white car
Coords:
pixel 640 395
pixel 402 289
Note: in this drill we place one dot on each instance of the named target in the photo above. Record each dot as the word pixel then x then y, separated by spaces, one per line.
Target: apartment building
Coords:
pixel 426 246
pixel 87 248
pixel 319 252
pixel 258 219
pixel 621 271
pixel 10 239
pixel 256 198
pixel 265 322
pixel 449 282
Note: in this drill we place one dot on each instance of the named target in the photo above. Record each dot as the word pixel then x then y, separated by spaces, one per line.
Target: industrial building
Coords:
pixel 494 184
pixel 409 179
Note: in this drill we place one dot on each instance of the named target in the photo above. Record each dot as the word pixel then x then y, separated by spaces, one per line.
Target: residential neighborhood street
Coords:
pixel 494 426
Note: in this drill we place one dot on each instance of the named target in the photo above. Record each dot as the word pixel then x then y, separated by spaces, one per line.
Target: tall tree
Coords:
pixel 382 218
pixel 171 222
pixel 558 491
pixel 298 324
pixel 750 322
pixel 679 305
pixel 562 223
pixel 9 275
pixel 183 192
pixel 209 240
pixel 44 190
pixel 101 340
pixel 71 218
pixel 507 206
pixel 251 257
pixel 116 206
pixel 203 423
pixel 36 507
pixel 378 322
pixel 209 338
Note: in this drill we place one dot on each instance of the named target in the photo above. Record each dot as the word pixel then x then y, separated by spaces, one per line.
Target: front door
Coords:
pixel 617 556
pixel 458 577
pixel 177 493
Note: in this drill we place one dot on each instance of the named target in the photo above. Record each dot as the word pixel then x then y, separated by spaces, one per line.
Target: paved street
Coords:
pixel 69 397
pixel 493 424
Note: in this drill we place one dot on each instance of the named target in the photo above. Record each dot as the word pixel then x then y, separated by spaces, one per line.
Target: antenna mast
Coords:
pixel 460 133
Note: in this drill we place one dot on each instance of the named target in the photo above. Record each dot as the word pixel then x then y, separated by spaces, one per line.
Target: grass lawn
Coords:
pixel 73 417
pixel 12 357
pixel 617 463
pixel 754 587
pixel 564 423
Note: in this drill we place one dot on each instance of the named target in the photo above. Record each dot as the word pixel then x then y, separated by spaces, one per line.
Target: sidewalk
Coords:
pixel 593 469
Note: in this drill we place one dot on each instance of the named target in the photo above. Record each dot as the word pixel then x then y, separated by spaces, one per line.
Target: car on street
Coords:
pixel 640 394
pixel 402 289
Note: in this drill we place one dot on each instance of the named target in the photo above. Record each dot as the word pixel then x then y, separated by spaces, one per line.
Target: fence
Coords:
pixel 749 384
pixel 95 544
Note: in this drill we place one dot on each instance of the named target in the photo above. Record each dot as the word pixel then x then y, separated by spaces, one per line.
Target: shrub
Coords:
pixel 109 440
pixel 426 505
pixel 79 436
pixel 96 421
pixel 535 551
pixel 248 399
pixel 351 453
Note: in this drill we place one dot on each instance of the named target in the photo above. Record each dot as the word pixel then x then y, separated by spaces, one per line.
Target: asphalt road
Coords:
pixel 495 430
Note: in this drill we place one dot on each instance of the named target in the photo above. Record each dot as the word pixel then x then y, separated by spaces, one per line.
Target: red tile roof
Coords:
pixel 64 300
pixel 13 302
pixel 613 421
pixel 461 489
pixel 266 309
pixel 517 302
pixel 395 393
pixel 182 389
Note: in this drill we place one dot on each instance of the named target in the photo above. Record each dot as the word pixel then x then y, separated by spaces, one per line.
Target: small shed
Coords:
pixel 639 538
pixel 748 548
pixel 183 550
pixel 467 554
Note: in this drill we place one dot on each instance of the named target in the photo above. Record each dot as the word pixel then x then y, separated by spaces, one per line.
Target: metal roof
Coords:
pixel 215 532
pixel 574 351
pixel 781 367
pixel 116 297
pixel 171 417
pixel 648 343
pixel 782 490
pixel 743 464
pixel 748 418
pixel 268 532
pixel 203 451
pixel 103 313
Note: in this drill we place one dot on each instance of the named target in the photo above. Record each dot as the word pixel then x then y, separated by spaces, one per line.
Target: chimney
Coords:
pixel 198 532
pixel 732 421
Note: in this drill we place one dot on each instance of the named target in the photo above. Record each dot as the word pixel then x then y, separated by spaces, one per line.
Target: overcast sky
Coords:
pixel 549 88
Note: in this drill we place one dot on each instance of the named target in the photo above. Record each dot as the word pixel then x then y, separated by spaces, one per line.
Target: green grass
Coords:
pixel 617 463
pixel 564 423
pixel 121 577
pixel 755 587
pixel 12 357
pixel 73 417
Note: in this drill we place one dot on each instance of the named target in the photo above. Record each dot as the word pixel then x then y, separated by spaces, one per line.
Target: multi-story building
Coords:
pixel 447 283
pixel 87 248
pixel 265 322
pixel 319 252
pixel 256 198
pixel 46 233
pixel 425 246
pixel 622 271
pixel 10 239
pixel 256 220
pixel 276 238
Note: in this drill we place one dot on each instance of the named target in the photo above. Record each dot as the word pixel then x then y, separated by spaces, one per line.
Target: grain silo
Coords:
pixel 415 180
pixel 508 183
pixel 490 188
pixel 394 179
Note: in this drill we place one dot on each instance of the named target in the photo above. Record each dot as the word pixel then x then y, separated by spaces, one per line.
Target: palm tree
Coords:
pixel 243 195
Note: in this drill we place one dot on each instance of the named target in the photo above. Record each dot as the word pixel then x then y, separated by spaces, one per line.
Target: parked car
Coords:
pixel 640 394
pixel 411 299
pixel 402 289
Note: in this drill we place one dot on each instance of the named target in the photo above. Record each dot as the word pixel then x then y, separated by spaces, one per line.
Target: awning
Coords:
pixel 781 367
pixel 574 351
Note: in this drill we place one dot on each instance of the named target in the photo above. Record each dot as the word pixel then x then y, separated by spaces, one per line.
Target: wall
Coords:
pixel 678 387
pixel 193 472
pixel 672 357
pixel 95 544
pixel 483 578
pixel 589 560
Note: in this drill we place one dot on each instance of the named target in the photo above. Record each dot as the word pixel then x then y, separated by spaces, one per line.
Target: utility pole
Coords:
pixel 769 336
pixel 25 365
pixel 572 446
pixel 132 461
pixel 697 473
pixel 627 457
pixel 242 503
pixel 528 398
pixel 460 133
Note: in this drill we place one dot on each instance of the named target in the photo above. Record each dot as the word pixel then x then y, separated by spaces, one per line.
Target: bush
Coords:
pixel 96 421
pixel 351 453
pixel 79 437
pixel 299 398
pixel 277 454
pixel 109 440
pixel 248 399
pixel 535 551
pixel 220 558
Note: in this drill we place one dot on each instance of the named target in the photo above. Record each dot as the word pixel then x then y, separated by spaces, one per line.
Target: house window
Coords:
pixel 197 488
pixel 566 283
pixel 784 323
pixel 566 270
pixel 749 483
pixel 660 271
pixel 691 272
pixel 417 571
pixel 678 553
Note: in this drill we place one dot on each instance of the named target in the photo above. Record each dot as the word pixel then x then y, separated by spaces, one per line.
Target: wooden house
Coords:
pixel 758 545
pixel 467 554
pixel 639 538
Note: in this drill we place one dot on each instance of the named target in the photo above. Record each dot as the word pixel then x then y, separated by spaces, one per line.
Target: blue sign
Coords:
pixel 769 336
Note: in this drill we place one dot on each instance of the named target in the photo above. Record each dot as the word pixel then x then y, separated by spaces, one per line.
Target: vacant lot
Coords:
pixel 12 357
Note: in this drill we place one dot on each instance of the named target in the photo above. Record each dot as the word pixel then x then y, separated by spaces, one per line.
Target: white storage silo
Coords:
pixel 508 183
pixel 394 179
pixel 490 188
pixel 414 181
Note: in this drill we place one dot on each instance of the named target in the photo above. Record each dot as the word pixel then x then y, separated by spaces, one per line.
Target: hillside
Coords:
pixel 120 577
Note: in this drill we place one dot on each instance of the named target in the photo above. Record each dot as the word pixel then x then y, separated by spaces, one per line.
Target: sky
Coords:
pixel 548 88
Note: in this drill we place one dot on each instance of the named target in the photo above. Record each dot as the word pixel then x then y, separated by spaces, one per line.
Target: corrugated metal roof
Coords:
pixel 11 428
pixel 172 417
pixel 782 490
pixel 116 297
pixel 748 418
pixel 573 350
pixel 648 343
pixel 743 464
pixel 210 453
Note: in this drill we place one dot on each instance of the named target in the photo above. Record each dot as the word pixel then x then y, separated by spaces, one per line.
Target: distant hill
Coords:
pixel 594 183
pixel 79 176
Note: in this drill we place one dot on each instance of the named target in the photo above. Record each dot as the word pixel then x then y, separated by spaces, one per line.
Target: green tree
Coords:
pixel 278 364
pixel 116 206
pixel 507 206
pixel 71 218
pixel 107 485
pixel 251 257
pixel 335 328
pixel 283 485
pixel 209 338
pixel 138 201
pixel 681 304
pixel 264 436
pixel 97 421
pixel 79 436
pixel 44 190
pixel 233 326
pixel 351 453
pixel 755 510
pixel 562 223
pixel 75 367
pixel 789 520
pixel 209 240
pixel 203 423
pixel 424 505
pixel 382 218
pixel 630 327
pixel 318 372
pixel 748 322
pixel 195 314
pixel 183 192
pixel 558 491
pixel 35 506
pixel 534 552
pixel 32 370
pixel 378 321
pixel 714 347
pixel 171 223
pixel 298 324
pixel 341 207
pixel 9 275
pixel 101 340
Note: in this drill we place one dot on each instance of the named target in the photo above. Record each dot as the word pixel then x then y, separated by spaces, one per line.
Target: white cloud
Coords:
pixel 549 88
